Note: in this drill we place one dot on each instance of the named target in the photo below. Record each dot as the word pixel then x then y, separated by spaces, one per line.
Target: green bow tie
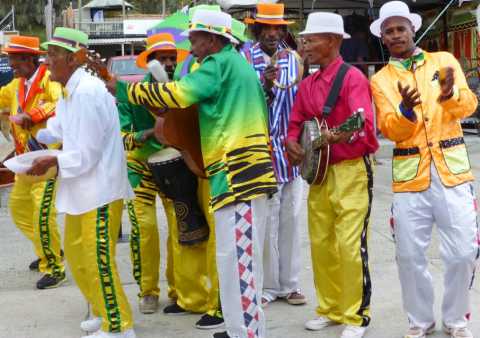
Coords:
pixel 408 63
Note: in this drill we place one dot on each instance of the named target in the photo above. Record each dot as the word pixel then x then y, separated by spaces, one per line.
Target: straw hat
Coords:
pixel 213 22
pixel 156 42
pixel 269 14
pixel 23 44
pixel 68 38
pixel 395 9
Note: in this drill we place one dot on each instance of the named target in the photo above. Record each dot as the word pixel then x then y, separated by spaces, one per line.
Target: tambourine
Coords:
pixel 299 62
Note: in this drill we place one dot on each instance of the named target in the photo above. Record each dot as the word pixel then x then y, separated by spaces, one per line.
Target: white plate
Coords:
pixel 21 163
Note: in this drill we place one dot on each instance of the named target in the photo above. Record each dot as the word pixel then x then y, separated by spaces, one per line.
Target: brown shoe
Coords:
pixel 296 298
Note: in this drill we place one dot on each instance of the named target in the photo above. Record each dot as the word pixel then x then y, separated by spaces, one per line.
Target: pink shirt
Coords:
pixel 355 93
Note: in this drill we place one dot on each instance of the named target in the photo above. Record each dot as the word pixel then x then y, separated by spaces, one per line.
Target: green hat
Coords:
pixel 68 38
pixel 238 30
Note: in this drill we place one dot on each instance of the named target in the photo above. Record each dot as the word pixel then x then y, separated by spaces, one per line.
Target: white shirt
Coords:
pixel 92 165
pixel 28 83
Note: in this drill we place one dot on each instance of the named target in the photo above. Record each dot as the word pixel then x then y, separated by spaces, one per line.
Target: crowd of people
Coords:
pixel 234 235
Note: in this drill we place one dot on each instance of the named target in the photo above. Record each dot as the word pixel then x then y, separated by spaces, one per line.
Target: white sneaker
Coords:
pixel 417 332
pixel 91 325
pixel 458 332
pixel 101 334
pixel 351 331
pixel 319 323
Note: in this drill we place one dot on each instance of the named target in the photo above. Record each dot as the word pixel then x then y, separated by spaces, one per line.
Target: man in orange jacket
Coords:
pixel 420 98
pixel 31 99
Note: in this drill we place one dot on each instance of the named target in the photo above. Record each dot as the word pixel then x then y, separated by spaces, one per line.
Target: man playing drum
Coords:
pixel 236 158
pixel 282 238
pixel 31 99
pixel 186 286
pixel 92 180
pixel 420 99
pixel 338 209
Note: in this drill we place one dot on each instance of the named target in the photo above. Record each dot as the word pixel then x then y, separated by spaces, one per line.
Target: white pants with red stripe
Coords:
pixel 281 258
pixel 240 231
pixel 453 210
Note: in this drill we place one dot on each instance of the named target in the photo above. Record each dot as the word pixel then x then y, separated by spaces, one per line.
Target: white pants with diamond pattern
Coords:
pixel 240 231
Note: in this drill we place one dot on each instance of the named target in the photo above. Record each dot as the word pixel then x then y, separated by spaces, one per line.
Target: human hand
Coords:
pixel 147 134
pixel 410 98
pixel 447 80
pixel 41 165
pixel 23 120
pixel 270 75
pixel 339 136
pixel 295 152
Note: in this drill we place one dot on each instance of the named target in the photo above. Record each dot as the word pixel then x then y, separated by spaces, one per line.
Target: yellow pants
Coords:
pixel 33 210
pixel 213 298
pixel 186 269
pixel 338 219
pixel 90 246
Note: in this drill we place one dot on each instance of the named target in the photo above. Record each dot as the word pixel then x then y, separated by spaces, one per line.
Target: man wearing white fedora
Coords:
pixel 420 99
pixel 236 157
pixel 338 209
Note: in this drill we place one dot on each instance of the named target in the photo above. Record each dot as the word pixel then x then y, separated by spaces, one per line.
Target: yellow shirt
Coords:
pixel 436 134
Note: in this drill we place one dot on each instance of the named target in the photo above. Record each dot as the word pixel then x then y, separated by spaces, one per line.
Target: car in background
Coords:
pixel 125 68
pixel 6 73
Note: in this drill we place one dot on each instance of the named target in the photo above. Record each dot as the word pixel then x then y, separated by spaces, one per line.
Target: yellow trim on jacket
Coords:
pixel 436 134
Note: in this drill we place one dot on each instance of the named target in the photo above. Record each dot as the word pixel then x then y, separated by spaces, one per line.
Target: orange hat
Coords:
pixel 160 41
pixel 24 44
pixel 269 14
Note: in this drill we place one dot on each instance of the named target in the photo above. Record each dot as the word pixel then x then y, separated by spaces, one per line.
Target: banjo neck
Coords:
pixel 352 124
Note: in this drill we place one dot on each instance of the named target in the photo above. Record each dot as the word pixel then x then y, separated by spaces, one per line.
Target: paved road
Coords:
pixel 28 313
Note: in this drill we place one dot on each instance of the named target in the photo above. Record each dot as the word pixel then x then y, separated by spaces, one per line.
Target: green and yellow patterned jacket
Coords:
pixel 233 123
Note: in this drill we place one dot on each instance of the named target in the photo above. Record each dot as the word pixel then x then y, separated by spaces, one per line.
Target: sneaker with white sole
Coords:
pixel 148 304
pixel 458 332
pixel 102 334
pixel 91 325
pixel 319 323
pixel 351 331
pixel 418 332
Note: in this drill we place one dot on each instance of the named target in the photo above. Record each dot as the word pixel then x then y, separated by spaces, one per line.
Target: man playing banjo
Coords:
pixel 338 209
pixel 282 238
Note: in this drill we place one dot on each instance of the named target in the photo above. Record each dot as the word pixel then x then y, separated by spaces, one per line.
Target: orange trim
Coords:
pixel 35 88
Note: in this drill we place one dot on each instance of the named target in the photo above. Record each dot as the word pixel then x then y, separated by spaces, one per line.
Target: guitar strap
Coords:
pixel 335 90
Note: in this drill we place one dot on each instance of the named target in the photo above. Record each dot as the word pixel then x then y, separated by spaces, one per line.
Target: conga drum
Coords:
pixel 175 180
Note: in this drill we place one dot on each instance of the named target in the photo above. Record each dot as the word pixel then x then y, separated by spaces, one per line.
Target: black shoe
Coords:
pixel 174 309
pixel 49 281
pixel 34 266
pixel 223 334
pixel 209 322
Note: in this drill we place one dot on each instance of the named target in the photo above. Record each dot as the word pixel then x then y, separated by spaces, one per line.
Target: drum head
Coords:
pixel 164 155
pixel 309 165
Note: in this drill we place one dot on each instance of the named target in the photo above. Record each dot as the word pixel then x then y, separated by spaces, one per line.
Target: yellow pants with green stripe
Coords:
pixel 338 219
pixel 32 207
pixel 90 246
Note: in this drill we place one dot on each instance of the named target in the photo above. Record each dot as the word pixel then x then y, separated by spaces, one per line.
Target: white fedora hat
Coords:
pixel 214 22
pixel 324 22
pixel 393 9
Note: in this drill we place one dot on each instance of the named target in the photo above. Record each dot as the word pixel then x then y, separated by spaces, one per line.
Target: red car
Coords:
pixel 125 68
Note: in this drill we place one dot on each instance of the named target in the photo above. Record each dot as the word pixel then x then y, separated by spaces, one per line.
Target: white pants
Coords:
pixel 240 231
pixel 453 210
pixel 281 256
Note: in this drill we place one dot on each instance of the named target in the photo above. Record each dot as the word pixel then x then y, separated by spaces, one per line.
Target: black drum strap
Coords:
pixel 335 90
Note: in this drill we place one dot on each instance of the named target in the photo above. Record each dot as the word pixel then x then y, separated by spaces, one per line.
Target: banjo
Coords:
pixel 314 142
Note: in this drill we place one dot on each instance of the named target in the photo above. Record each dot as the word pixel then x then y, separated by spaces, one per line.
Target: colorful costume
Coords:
pixel 92 184
pixel 237 163
pixel 187 288
pixel 339 209
pixel 32 204
pixel 282 240
pixel 431 172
